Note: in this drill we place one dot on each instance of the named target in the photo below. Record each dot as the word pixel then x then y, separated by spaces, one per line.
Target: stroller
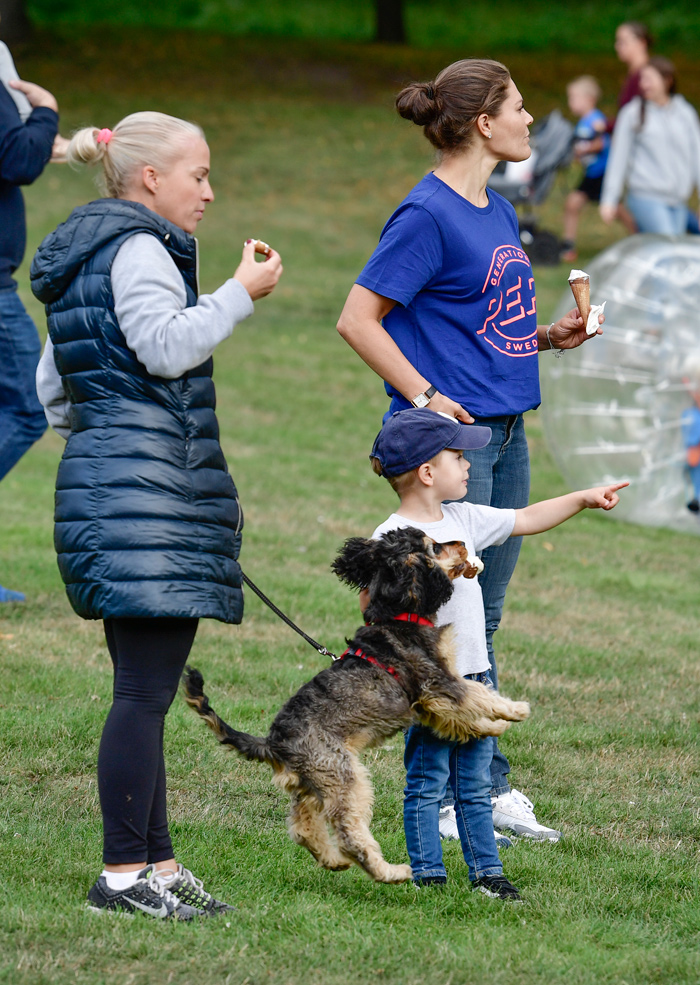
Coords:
pixel 528 183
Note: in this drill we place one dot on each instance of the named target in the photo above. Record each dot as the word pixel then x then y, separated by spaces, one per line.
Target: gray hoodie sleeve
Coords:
pixel 150 303
pixel 620 150
pixel 52 396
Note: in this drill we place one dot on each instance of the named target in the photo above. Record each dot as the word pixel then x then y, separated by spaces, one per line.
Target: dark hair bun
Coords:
pixel 418 103
pixel 448 107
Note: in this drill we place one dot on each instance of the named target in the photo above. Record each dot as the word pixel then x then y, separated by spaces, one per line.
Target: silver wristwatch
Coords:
pixel 423 399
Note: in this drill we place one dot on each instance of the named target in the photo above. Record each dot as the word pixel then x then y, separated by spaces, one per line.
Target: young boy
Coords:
pixel 592 143
pixel 420 452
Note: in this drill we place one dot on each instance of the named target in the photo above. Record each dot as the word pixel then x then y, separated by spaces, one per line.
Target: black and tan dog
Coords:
pixel 398 670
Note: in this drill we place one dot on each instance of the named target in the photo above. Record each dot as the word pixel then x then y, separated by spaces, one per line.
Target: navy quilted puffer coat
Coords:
pixel 147 516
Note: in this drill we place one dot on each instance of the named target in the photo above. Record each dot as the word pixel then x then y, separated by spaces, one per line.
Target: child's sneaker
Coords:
pixel 498 887
pixel 514 813
pixel 420 881
pixel 146 895
pixel 190 890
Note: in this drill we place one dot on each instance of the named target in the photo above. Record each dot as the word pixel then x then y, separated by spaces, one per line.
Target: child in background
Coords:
pixel 420 452
pixel 690 428
pixel 591 146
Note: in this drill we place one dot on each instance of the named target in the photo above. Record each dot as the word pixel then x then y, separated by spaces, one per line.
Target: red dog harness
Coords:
pixel 357 652
pixel 363 655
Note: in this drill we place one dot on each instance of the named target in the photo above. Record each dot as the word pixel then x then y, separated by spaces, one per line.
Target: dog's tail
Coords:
pixel 250 746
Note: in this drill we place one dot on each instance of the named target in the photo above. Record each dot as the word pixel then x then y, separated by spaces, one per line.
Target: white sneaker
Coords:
pixel 450 832
pixel 448 824
pixel 514 813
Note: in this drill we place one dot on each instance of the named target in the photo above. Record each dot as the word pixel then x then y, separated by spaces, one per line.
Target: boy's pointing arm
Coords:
pixel 538 517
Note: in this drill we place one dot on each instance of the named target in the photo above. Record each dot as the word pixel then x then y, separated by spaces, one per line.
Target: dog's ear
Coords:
pixel 355 564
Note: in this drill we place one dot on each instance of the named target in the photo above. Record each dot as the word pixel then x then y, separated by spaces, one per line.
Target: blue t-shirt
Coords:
pixel 465 315
pixel 594 124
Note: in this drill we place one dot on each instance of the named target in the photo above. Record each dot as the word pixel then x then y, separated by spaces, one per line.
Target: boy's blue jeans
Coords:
pixel 22 420
pixel 430 762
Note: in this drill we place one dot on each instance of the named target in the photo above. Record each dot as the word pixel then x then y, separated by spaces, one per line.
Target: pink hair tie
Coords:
pixel 104 136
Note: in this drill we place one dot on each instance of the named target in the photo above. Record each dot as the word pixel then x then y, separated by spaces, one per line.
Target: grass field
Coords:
pixel 600 631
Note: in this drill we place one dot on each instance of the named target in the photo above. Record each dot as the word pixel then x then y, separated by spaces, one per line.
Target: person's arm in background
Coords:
pixel 618 161
pixel 26 148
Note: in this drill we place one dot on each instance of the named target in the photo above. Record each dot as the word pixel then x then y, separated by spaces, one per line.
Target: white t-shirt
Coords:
pixel 478 527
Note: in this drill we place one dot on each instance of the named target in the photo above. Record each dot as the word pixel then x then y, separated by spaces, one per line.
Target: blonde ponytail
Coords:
pixel 136 141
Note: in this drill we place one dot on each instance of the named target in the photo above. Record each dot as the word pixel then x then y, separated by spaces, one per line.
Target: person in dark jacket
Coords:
pixel 148 524
pixel 28 128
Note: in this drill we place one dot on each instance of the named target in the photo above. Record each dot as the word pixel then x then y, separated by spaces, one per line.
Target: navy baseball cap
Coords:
pixel 411 437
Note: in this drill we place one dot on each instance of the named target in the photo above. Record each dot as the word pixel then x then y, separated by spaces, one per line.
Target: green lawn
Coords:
pixel 536 25
pixel 600 631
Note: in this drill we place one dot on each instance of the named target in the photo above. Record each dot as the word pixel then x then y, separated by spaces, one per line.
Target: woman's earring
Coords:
pixel 489 134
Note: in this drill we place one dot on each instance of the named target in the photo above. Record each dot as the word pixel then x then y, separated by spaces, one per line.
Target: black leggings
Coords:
pixel 149 656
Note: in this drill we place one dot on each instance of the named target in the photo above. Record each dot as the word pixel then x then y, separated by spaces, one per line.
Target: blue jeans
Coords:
pixel 22 420
pixel 430 763
pixel 654 216
pixel 499 475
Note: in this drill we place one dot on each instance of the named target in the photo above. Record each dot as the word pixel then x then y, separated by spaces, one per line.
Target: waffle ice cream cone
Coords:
pixel 581 289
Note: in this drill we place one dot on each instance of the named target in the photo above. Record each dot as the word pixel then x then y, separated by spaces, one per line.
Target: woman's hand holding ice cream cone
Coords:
pixel 567 333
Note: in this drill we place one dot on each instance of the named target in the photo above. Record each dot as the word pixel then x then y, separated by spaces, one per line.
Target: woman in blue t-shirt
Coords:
pixel 444 311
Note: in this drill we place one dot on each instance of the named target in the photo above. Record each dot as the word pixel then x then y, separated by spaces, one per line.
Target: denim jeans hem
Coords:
pixel 502 788
pixel 496 870
pixel 423 873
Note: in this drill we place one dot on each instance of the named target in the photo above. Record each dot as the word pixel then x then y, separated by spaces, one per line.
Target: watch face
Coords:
pixel 422 400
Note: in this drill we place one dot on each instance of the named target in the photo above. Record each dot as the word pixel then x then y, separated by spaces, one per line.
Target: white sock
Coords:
pixel 165 876
pixel 119 881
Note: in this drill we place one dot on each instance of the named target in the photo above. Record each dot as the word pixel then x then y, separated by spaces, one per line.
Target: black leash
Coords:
pixel 261 595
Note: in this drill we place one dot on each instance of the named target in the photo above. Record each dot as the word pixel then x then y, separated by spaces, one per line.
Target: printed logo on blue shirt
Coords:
pixel 508 326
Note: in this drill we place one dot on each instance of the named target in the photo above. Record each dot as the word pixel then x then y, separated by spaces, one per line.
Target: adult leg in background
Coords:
pixel 499 475
pixel 22 420
pixel 149 656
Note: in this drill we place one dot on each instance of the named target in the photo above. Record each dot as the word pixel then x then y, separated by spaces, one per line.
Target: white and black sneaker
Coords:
pixel 498 887
pixel 447 825
pixel 145 896
pixel 515 814
pixel 190 890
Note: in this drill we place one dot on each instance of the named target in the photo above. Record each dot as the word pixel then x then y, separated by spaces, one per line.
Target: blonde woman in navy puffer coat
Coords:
pixel 148 523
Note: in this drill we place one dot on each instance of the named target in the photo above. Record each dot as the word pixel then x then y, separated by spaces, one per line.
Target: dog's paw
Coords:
pixel 396 873
pixel 488 726
pixel 520 710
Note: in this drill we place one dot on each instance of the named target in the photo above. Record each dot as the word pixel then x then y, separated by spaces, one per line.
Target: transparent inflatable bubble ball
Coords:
pixel 622 405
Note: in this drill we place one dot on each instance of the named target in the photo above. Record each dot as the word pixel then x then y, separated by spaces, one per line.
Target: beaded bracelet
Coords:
pixel 558 353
